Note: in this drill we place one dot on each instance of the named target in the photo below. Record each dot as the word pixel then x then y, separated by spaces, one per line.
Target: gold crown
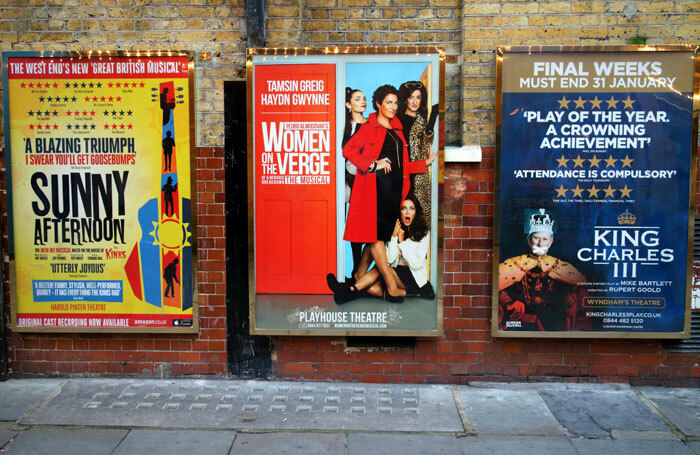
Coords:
pixel 626 218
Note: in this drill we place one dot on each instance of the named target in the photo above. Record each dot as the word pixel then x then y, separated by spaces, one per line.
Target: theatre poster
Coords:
pixel 596 170
pixel 98 154
pixel 302 191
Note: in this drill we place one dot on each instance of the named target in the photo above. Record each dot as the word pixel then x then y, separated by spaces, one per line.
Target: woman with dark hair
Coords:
pixel 355 106
pixel 407 255
pixel 413 114
pixel 380 153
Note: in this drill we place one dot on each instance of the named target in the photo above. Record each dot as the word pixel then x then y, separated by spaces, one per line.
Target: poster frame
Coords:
pixel 102 54
pixel 330 51
pixel 500 52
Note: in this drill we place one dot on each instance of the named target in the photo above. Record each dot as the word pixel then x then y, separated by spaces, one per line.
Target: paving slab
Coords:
pixel 612 447
pixel 42 441
pixel 515 445
pixel 644 435
pixel 176 442
pixel 594 413
pixel 6 433
pixel 680 406
pixel 508 412
pixel 289 444
pixel 260 405
pixel 412 444
pixel 19 396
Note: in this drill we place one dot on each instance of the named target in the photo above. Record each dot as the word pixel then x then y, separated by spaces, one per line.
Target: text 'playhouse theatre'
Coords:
pixel 596 199
pixel 343 192
pixel 99 162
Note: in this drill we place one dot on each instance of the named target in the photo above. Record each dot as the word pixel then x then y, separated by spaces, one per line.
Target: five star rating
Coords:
pixel 595 103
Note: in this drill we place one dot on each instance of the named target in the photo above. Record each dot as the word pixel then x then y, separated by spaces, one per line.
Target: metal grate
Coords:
pixel 688 345
pixel 696 241
pixel 691 344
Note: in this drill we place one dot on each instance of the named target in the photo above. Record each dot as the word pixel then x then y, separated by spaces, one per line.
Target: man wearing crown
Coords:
pixel 536 291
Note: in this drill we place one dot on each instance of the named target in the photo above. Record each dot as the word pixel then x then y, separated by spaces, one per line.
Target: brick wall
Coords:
pixel 468 31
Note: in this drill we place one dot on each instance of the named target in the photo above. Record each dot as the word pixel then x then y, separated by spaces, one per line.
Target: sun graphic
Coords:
pixel 170 233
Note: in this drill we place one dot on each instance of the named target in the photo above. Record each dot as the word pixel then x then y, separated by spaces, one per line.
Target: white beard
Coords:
pixel 539 250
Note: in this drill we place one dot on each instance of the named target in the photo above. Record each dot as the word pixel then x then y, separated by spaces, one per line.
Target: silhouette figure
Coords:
pixel 170 274
pixel 167 107
pixel 168 190
pixel 168 144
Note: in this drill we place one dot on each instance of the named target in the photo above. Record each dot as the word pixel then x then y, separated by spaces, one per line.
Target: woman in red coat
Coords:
pixel 380 153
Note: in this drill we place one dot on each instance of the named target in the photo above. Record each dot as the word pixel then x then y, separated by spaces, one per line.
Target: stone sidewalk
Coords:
pixel 166 416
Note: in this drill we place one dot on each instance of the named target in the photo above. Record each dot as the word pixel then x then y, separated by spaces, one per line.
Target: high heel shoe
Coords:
pixel 342 292
pixel 392 298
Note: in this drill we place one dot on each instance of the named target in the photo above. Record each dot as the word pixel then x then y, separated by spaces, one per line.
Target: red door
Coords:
pixel 295 231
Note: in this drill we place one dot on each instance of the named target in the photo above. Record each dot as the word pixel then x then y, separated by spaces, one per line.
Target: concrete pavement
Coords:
pixel 185 416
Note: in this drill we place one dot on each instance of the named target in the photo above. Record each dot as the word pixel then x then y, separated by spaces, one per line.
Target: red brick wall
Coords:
pixel 145 354
pixel 466 351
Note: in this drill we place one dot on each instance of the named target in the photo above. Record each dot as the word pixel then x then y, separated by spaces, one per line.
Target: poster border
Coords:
pixel 500 51
pixel 97 54
pixel 330 51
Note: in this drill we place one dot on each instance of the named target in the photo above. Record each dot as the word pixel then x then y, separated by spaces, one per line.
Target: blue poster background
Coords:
pixel 657 205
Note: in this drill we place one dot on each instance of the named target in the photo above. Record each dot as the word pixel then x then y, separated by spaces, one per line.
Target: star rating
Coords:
pixel 580 103
pixel 593 191
pixel 610 161
pixel 578 161
pixel 49 99
pixel 561 191
pixel 563 103
pixel 628 102
pixel 129 112
pixel 142 85
pixel 627 161
pixel 67 84
pixel 562 161
pixel 23 85
pixel 594 161
pixel 110 85
pixel 609 192
pixel 99 85
pixel 119 85
pixel 612 103
pixel 31 113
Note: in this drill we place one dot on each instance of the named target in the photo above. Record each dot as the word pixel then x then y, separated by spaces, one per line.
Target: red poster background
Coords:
pixel 295 230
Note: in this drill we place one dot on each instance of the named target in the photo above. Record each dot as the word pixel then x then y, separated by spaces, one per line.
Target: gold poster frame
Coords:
pixel 330 51
pixel 100 54
pixel 501 51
